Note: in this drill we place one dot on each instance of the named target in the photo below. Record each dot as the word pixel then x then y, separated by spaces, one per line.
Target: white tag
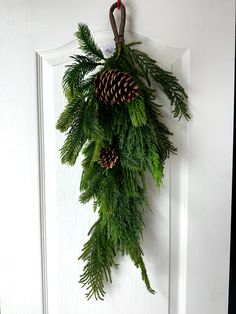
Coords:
pixel 109 50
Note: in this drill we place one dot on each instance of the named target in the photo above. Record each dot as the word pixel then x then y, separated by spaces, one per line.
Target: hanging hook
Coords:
pixel 119 37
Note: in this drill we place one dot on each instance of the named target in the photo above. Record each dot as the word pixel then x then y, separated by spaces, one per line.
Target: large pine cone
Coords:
pixel 108 158
pixel 114 87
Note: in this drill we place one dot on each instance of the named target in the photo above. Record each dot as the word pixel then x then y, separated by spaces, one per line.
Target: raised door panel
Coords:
pixel 65 222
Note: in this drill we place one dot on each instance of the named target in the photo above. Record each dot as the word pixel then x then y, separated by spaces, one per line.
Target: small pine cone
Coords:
pixel 108 158
pixel 114 87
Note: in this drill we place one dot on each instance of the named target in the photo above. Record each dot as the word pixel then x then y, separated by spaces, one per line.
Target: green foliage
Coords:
pixel 141 140
pixel 75 73
pixel 137 111
pixel 84 126
pixel 87 43
pixel 147 68
pixel 75 139
pixel 98 253
pixel 68 115
pixel 155 165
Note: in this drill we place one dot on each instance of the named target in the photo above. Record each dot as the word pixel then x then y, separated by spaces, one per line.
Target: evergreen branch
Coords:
pixel 171 87
pixel 134 43
pixel 67 116
pixel 73 145
pixel 87 84
pixel 154 107
pixel 98 254
pixel 135 144
pixel 96 151
pixel 108 193
pixel 156 166
pixel 137 111
pixel 75 73
pixel 159 136
pixel 90 182
pixel 88 152
pixel 91 122
pixel 85 126
pixel 125 227
pixel 140 264
pixel 75 139
pixel 130 162
pixel 173 90
pixel 95 205
pixel 129 181
pixel 87 43
pixel 138 68
pixel 120 229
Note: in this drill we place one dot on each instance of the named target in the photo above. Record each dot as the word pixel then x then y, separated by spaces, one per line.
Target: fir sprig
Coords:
pixel 98 253
pixel 171 87
pixel 87 43
pixel 68 115
pixel 75 73
pixel 137 112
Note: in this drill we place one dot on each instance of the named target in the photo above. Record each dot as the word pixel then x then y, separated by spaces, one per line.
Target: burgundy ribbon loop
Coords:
pixel 118 4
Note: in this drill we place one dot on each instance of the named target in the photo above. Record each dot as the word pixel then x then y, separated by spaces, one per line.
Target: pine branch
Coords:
pixel 67 116
pixel 140 264
pixel 125 227
pixel 137 112
pixel 160 132
pixel 129 180
pixel 87 43
pixel 75 139
pixel 87 84
pixel 163 144
pixel 98 254
pixel 130 162
pixel 154 107
pixel 73 78
pixel 167 80
pixel 92 128
pixel 121 210
pixel 108 194
pixel 134 43
pixel 90 182
pixel 156 167
pixel 85 126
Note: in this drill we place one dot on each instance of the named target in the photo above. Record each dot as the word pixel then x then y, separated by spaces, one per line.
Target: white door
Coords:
pixel 43 226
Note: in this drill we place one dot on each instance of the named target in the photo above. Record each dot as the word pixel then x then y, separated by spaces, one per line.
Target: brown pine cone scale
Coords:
pixel 114 87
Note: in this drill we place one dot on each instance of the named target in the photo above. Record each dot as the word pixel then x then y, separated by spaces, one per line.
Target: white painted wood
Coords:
pixel 186 242
pixel 60 291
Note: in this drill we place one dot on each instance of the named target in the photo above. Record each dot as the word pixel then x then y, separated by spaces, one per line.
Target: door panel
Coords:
pixel 43 225
pixel 65 222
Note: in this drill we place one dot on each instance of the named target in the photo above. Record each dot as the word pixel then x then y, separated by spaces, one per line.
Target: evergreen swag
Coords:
pixel 119 141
